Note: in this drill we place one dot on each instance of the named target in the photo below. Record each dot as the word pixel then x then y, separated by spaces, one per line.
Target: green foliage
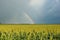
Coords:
pixel 29 36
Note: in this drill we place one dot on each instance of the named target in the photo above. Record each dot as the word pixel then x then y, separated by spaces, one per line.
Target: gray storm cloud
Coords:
pixel 48 13
pixel 29 11
pixel 12 11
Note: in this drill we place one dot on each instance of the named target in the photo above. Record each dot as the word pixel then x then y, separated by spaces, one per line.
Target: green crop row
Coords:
pixel 33 35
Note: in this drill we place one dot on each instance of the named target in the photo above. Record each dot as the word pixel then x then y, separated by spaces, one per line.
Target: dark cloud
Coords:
pixel 48 13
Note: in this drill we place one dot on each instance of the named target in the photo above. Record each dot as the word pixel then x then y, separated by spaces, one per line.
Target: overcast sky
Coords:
pixel 30 11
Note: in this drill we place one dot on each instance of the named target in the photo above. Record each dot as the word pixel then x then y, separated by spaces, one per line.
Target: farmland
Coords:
pixel 29 32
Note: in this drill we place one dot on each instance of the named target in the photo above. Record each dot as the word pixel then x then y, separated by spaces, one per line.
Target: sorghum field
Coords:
pixel 29 32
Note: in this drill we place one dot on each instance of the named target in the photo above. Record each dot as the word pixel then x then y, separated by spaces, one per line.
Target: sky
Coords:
pixel 30 11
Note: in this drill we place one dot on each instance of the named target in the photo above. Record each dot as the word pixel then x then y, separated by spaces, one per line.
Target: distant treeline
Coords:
pixel 33 35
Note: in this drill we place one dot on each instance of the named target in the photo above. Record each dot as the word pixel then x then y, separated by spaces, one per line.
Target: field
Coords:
pixel 30 32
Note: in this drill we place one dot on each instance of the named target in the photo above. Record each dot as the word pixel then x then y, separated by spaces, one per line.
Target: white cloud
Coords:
pixel 36 3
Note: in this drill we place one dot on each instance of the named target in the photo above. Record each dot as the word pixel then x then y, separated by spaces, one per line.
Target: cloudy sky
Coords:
pixel 30 11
